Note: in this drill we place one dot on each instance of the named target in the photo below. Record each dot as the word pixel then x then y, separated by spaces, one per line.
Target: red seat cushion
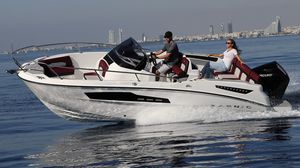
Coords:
pixel 182 68
pixel 244 69
pixel 177 70
pixel 248 71
pixel 103 65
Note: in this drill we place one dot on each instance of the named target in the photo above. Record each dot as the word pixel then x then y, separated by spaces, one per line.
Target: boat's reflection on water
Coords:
pixel 173 145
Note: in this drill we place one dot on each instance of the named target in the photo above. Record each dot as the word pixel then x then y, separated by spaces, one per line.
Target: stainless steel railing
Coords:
pixel 97 71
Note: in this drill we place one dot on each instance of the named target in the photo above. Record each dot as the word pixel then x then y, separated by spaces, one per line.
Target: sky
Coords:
pixel 28 22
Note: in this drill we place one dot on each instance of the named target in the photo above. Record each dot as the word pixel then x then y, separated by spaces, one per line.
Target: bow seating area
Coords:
pixel 57 66
pixel 239 71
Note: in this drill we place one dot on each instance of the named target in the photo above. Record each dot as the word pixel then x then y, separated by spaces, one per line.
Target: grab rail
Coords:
pixel 96 70
pixel 70 44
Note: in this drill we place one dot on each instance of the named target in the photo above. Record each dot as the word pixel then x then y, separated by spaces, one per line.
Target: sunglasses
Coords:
pixel 228 43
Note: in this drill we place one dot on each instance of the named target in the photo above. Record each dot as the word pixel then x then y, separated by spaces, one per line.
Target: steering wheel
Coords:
pixel 152 58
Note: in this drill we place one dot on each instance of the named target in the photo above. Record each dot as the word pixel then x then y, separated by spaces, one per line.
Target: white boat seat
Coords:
pixel 103 66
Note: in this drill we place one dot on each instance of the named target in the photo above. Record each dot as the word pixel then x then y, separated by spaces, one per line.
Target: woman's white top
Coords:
pixel 228 57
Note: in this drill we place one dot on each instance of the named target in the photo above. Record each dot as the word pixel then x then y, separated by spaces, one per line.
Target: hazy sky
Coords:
pixel 26 22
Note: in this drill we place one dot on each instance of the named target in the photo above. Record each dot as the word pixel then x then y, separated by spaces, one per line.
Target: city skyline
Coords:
pixel 273 29
pixel 30 22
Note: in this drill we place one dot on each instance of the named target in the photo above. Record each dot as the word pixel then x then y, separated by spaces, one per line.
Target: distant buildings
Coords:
pixel 161 37
pixel 144 38
pixel 292 30
pixel 211 30
pixel 229 27
pixel 222 28
pixel 274 27
pixel 120 36
pixel 111 37
pixel 221 31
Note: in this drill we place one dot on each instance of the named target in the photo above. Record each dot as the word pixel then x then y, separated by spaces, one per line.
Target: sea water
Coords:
pixel 32 136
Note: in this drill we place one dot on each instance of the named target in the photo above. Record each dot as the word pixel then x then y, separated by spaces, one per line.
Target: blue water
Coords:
pixel 32 136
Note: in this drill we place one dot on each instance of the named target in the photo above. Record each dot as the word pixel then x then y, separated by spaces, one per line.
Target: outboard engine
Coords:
pixel 273 78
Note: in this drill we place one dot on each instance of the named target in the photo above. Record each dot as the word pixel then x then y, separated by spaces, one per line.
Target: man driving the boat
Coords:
pixel 171 57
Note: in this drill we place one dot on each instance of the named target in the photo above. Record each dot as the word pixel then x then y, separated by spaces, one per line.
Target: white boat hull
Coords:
pixel 71 102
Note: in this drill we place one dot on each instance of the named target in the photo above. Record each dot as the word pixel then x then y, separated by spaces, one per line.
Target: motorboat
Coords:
pixel 119 84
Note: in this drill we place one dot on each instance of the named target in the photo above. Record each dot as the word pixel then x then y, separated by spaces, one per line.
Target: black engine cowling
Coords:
pixel 273 78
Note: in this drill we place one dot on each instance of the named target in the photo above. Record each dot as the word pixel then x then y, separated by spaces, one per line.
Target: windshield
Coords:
pixel 129 54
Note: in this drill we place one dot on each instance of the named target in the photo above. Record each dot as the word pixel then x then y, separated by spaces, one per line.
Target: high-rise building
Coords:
pixel 229 27
pixel 278 24
pixel 274 27
pixel 144 38
pixel 211 30
pixel 111 37
pixel 120 36
pixel 222 28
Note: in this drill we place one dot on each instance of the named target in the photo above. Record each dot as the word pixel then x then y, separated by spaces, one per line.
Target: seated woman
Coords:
pixel 222 64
